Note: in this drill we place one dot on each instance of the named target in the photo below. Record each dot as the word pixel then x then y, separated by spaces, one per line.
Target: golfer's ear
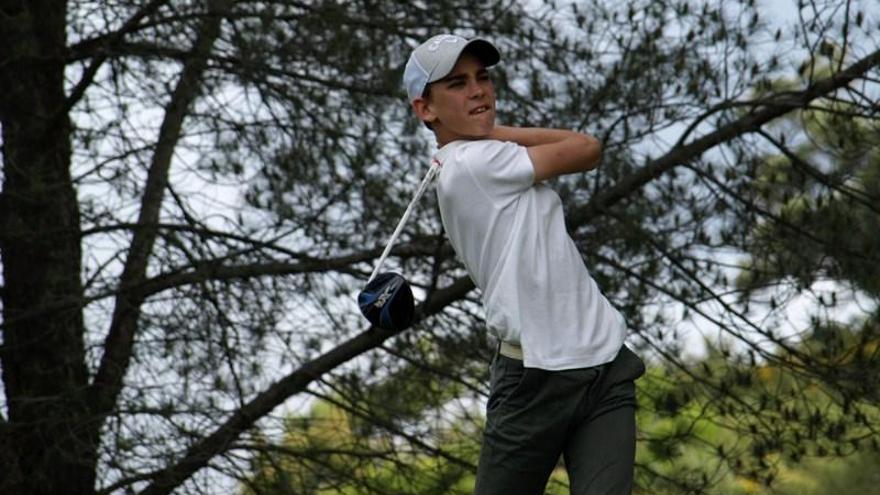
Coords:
pixel 424 110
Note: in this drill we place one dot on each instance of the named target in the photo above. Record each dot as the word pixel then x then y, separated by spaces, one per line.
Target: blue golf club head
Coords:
pixel 387 301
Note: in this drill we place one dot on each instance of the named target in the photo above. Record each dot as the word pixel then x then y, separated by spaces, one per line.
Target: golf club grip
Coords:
pixel 435 168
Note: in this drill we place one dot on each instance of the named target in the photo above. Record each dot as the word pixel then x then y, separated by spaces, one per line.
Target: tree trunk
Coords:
pixel 44 437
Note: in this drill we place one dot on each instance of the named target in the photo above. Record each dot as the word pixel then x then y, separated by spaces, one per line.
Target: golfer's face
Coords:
pixel 464 101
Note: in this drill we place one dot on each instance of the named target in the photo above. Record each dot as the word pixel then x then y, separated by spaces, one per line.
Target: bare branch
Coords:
pixel 120 339
pixel 681 154
pixel 860 197
pixel 220 440
pixel 89 74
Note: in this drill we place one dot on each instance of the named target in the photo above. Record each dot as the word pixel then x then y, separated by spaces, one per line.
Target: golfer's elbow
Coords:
pixel 575 153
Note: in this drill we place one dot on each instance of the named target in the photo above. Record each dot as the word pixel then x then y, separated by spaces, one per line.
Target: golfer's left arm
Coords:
pixel 554 152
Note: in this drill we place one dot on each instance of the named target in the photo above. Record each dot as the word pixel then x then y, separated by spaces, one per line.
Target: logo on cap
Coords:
pixel 444 38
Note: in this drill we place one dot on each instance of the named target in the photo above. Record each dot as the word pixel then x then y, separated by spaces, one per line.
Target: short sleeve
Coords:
pixel 502 169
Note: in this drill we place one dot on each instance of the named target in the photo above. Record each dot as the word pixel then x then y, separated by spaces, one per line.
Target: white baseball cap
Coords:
pixel 434 59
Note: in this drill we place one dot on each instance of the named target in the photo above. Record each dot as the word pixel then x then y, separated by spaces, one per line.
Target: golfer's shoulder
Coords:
pixel 480 153
pixel 499 167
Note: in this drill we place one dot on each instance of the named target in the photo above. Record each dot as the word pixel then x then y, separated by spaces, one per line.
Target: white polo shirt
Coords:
pixel 510 234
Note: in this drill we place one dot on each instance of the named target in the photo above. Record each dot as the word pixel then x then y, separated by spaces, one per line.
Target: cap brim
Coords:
pixel 484 50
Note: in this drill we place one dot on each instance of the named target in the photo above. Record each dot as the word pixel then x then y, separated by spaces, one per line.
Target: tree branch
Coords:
pixel 747 124
pixel 89 74
pixel 801 164
pixel 120 338
pixel 218 269
pixel 197 456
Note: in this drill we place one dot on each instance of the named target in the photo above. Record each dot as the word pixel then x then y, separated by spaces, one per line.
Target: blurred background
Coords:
pixel 194 192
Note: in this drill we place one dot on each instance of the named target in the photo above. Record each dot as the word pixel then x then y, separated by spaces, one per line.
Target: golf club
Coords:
pixel 387 300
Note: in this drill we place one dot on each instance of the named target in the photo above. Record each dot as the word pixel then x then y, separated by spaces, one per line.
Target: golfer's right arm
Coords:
pixel 553 152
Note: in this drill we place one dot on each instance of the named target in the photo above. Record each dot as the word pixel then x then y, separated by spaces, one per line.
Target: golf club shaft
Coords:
pixel 435 168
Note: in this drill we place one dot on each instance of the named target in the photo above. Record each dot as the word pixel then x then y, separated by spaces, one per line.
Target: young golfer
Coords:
pixel 562 380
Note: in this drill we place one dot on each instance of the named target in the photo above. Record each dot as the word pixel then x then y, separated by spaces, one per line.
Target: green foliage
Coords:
pixel 750 430
pixel 822 193
pixel 689 442
pixel 326 453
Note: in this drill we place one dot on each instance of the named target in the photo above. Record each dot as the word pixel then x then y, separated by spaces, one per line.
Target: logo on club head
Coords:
pixel 387 291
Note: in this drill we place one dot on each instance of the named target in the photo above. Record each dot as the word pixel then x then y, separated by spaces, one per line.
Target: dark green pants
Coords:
pixel 535 416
